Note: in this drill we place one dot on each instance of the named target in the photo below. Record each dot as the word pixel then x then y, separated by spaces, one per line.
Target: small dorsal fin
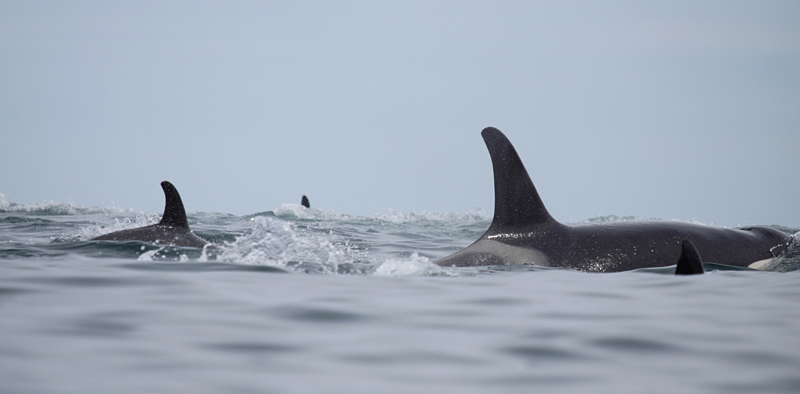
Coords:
pixel 304 202
pixel 689 263
pixel 516 201
pixel 174 214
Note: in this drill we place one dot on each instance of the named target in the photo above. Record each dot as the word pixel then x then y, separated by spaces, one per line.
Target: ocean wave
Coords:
pixel 55 208
pixel 400 217
pixel 297 211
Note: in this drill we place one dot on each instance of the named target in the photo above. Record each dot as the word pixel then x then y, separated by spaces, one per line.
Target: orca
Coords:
pixel 523 232
pixel 689 263
pixel 304 202
pixel 173 229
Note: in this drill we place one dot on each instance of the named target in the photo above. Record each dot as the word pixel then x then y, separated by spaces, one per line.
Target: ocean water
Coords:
pixel 299 300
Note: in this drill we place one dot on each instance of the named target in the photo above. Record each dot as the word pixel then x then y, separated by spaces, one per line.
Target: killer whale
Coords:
pixel 173 229
pixel 304 202
pixel 523 232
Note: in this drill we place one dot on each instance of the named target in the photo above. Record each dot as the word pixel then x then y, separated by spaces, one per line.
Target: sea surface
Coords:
pixel 297 300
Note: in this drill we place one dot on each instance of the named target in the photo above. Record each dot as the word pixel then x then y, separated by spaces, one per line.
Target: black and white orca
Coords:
pixel 523 232
pixel 173 229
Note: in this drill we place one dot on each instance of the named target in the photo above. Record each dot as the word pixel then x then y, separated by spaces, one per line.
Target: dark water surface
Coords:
pixel 296 301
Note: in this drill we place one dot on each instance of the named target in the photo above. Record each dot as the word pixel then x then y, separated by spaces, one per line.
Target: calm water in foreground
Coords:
pixel 297 301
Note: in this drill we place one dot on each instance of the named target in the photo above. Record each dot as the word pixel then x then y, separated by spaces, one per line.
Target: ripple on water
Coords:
pixel 202 267
pixel 497 301
pixel 419 357
pixel 770 385
pixel 252 348
pixel 319 315
pixel 634 345
pixel 109 325
pixel 13 291
pixel 96 281
pixel 757 358
pixel 543 354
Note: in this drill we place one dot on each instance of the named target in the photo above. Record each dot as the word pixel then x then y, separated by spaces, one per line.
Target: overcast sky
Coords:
pixel 675 110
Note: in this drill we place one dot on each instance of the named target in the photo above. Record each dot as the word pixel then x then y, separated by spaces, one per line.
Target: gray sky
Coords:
pixel 676 110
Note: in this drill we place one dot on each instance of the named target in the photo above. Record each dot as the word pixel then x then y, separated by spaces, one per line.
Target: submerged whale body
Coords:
pixel 173 229
pixel 523 232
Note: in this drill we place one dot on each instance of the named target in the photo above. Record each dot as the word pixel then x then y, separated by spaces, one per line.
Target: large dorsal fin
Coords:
pixel 174 214
pixel 304 202
pixel 516 201
pixel 689 263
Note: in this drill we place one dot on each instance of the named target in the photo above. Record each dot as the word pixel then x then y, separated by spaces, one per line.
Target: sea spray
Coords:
pixel 278 243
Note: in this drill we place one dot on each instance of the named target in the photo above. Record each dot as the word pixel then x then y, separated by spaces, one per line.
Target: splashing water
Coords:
pixel 277 243
pixel 414 266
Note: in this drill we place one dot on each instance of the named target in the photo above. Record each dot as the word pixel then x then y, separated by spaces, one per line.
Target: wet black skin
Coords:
pixel 689 263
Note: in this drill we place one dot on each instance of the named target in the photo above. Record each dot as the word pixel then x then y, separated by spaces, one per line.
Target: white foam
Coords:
pixel 150 255
pixel 44 207
pixel 275 242
pixel 414 266
pixel 398 217
pixel 55 208
pixel 297 211
pixel 3 203
pixel 204 255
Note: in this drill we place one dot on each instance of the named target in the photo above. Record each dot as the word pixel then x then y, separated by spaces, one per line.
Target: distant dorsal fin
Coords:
pixel 174 214
pixel 689 263
pixel 516 201
pixel 304 202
